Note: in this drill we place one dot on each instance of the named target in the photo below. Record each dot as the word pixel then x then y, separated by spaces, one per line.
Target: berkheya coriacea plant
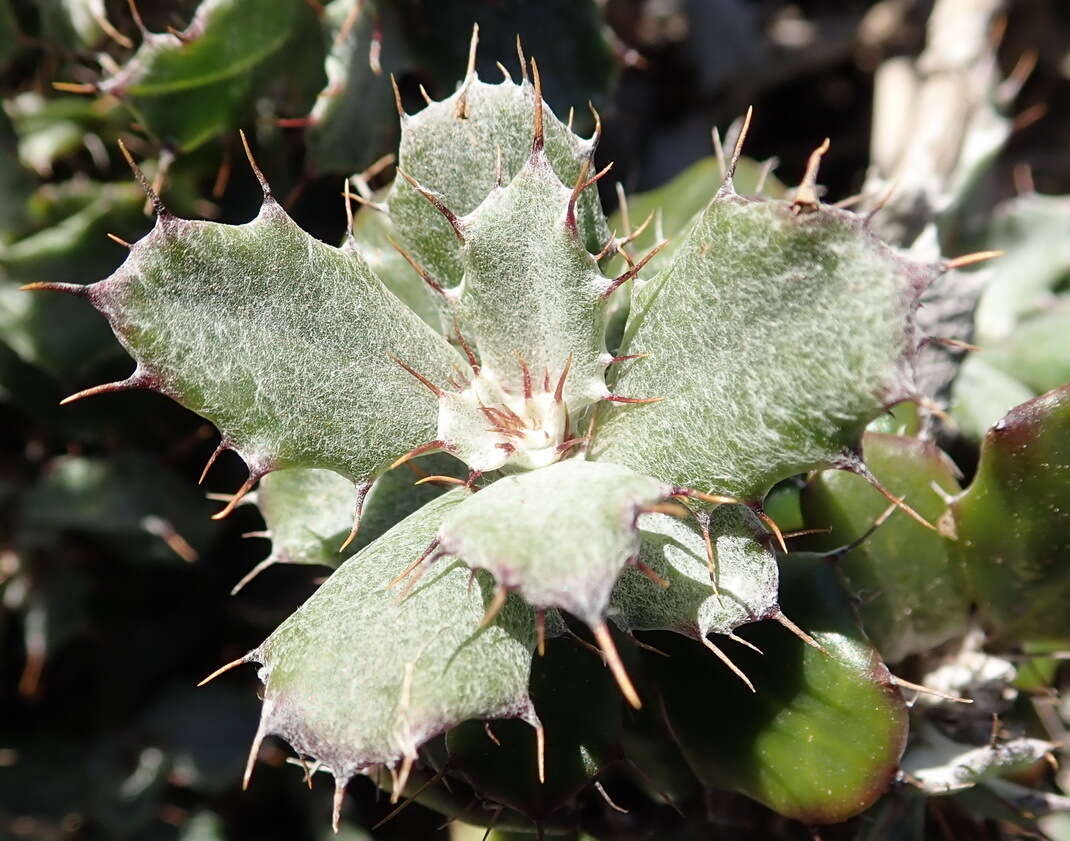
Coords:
pixel 777 330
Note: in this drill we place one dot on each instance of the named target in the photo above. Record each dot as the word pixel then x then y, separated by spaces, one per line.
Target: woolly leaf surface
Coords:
pixel 187 90
pixel 746 574
pixel 820 740
pixel 531 289
pixel 910 595
pixel 280 340
pixel 1012 525
pixel 456 157
pixel 309 512
pixel 773 339
pixel 559 535
pixel 372 230
pixel 356 678
pixel 679 203
pixel 675 207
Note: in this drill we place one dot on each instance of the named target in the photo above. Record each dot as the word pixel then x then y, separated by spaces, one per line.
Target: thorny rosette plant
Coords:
pixel 610 434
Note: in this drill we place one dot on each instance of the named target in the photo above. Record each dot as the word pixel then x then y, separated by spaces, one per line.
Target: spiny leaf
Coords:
pixel 372 230
pixel 357 677
pixel 743 586
pixel 189 87
pixel 910 595
pixel 531 289
pixel 457 157
pixel 677 203
pixel 1011 527
pixel 533 303
pixel 308 514
pixel 559 536
pixel 774 336
pixel 280 340
pixel 821 739
pixel 568 36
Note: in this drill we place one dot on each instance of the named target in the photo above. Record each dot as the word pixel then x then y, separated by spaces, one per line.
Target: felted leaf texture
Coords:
pixel 777 332
pixel 453 148
pixel 308 514
pixel 712 589
pixel 287 344
pixel 358 678
pixel 559 536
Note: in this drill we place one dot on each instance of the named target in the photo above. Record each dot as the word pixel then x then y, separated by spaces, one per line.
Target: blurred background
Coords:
pixel 115 584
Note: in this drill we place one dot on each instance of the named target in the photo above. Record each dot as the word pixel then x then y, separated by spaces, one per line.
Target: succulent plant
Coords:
pixel 609 429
